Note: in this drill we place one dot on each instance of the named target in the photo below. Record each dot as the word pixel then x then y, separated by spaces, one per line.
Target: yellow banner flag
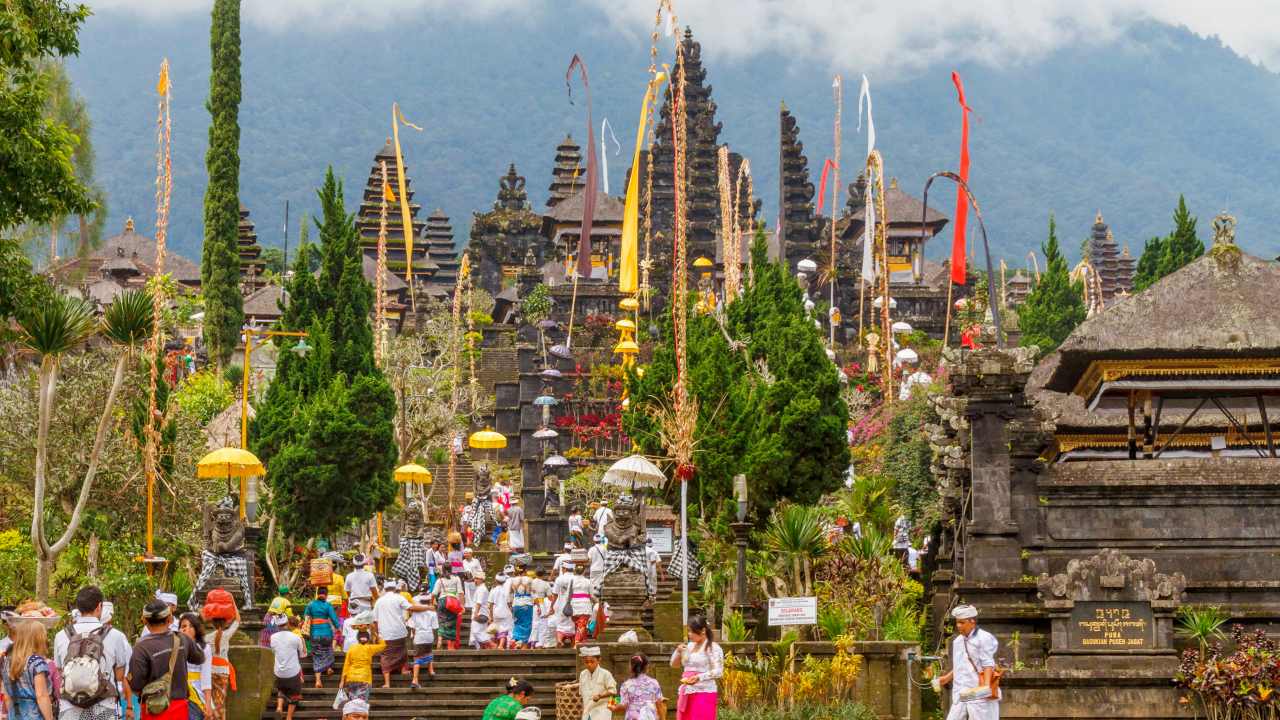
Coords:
pixel 629 265
pixel 397 117
pixel 162 85
pixel 387 194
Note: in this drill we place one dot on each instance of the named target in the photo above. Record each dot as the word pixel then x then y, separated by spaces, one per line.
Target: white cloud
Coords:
pixel 850 34
pixel 322 14
pixel 912 34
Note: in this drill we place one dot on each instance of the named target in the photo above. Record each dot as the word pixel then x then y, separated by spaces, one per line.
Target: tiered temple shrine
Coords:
pixel 568 177
pixel 438 237
pixel 1131 472
pixel 562 225
pixel 368 221
pixel 250 251
pixel 1114 267
pixel 799 229
pixel 703 168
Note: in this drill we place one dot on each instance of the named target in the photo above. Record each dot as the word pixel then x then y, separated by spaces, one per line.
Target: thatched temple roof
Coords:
pixel 1221 305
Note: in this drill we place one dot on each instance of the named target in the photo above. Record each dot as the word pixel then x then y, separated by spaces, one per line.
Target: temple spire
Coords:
pixel 568 177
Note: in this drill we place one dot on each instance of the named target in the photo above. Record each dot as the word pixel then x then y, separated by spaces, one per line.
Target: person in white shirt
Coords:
pixel 973 668
pixel 199 678
pixel 171 600
pixel 563 562
pixel 472 565
pixel 500 602
pixel 424 624
pixel 602 517
pixel 287 651
pixel 389 613
pixel 115 654
pixel 574 590
pixel 360 586
pixel 540 590
pixel 577 534
pixel 596 557
pixel 481 615
pixel 653 562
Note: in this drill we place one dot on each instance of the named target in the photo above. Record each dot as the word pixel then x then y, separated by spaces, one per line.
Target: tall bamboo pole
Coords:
pixel 832 312
pixel 164 190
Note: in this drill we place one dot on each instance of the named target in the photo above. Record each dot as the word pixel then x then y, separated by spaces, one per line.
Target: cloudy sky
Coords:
pixel 847 34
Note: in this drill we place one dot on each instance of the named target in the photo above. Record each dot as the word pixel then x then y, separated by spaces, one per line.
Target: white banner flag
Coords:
pixel 868 229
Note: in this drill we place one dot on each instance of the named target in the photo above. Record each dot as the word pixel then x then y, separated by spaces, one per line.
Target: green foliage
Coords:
pixel 772 409
pixel 834 621
pixel 1161 257
pixel 233 374
pixel 842 711
pixel 273 260
pixel 345 431
pixel 536 306
pixel 58 326
pixel 735 627
pixel 21 290
pixel 1201 624
pixel 326 428
pixel 129 319
pixel 167 429
pixel 796 538
pixel 220 263
pixel 37 173
pixel 1055 307
pixel 204 395
pixel 902 624
pixel 907 458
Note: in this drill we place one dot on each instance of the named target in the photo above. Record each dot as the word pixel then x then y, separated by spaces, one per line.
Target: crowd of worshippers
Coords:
pixel 177 669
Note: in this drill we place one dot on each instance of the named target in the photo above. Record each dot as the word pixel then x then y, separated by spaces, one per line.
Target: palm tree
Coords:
pixel 51 331
pixel 796 537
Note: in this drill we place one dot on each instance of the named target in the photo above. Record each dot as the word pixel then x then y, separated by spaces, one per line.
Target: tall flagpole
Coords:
pixel 832 312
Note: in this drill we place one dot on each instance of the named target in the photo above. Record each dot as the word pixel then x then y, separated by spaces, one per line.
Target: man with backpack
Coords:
pixel 93 658
pixel 158 668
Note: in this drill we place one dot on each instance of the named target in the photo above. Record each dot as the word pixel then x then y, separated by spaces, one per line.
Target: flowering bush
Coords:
pixel 1240 684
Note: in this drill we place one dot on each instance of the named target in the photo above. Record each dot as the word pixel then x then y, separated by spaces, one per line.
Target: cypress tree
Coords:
pixel 1148 269
pixel 220 261
pixel 326 429
pixel 1183 245
pixel 1163 256
pixel 771 410
pixel 1056 306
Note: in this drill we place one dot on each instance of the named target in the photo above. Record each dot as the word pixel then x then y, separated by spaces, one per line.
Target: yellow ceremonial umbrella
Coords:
pixel 487 439
pixel 413 473
pixel 231 462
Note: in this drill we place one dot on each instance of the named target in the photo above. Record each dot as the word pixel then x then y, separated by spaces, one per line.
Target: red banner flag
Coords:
pixel 822 187
pixel 962 205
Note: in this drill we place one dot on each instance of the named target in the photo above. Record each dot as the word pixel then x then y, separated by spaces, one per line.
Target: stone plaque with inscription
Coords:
pixel 1111 626
pixel 1111 608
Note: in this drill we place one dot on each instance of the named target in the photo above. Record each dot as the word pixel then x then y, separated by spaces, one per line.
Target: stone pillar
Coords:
pixel 988 386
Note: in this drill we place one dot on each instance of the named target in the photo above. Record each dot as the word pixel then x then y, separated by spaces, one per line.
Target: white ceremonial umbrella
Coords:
pixel 635 471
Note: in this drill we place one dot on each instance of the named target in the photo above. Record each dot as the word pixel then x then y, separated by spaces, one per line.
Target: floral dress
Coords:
pixel 23 691
pixel 641 695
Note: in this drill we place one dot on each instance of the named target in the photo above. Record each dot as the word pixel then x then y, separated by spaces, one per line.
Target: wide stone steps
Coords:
pixel 466 681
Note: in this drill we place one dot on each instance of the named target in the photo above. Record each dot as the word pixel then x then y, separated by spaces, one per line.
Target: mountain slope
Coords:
pixel 1121 127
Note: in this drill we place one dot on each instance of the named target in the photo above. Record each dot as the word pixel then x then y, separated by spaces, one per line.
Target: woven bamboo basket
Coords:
pixel 568 700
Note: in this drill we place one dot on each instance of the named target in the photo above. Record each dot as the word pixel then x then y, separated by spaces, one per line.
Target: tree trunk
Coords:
pixel 44 573
pixel 92 558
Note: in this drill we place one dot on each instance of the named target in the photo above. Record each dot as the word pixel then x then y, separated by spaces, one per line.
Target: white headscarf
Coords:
pixel 964 612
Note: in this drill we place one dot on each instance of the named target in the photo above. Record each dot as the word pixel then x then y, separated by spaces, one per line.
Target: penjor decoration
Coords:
pixel 164 191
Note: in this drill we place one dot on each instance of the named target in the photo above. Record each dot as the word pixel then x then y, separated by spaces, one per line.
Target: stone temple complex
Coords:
pixel 1130 472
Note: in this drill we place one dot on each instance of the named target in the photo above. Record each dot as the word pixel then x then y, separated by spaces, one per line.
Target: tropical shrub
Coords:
pixel 1236 685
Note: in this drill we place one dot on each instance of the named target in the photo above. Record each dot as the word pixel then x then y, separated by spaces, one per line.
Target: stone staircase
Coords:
pixel 466 680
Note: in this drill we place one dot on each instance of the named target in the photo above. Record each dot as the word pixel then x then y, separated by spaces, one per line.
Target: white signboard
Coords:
pixel 662 539
pixel 793 611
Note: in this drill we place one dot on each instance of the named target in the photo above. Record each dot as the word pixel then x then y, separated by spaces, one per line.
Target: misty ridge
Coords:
pixel 1121 124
